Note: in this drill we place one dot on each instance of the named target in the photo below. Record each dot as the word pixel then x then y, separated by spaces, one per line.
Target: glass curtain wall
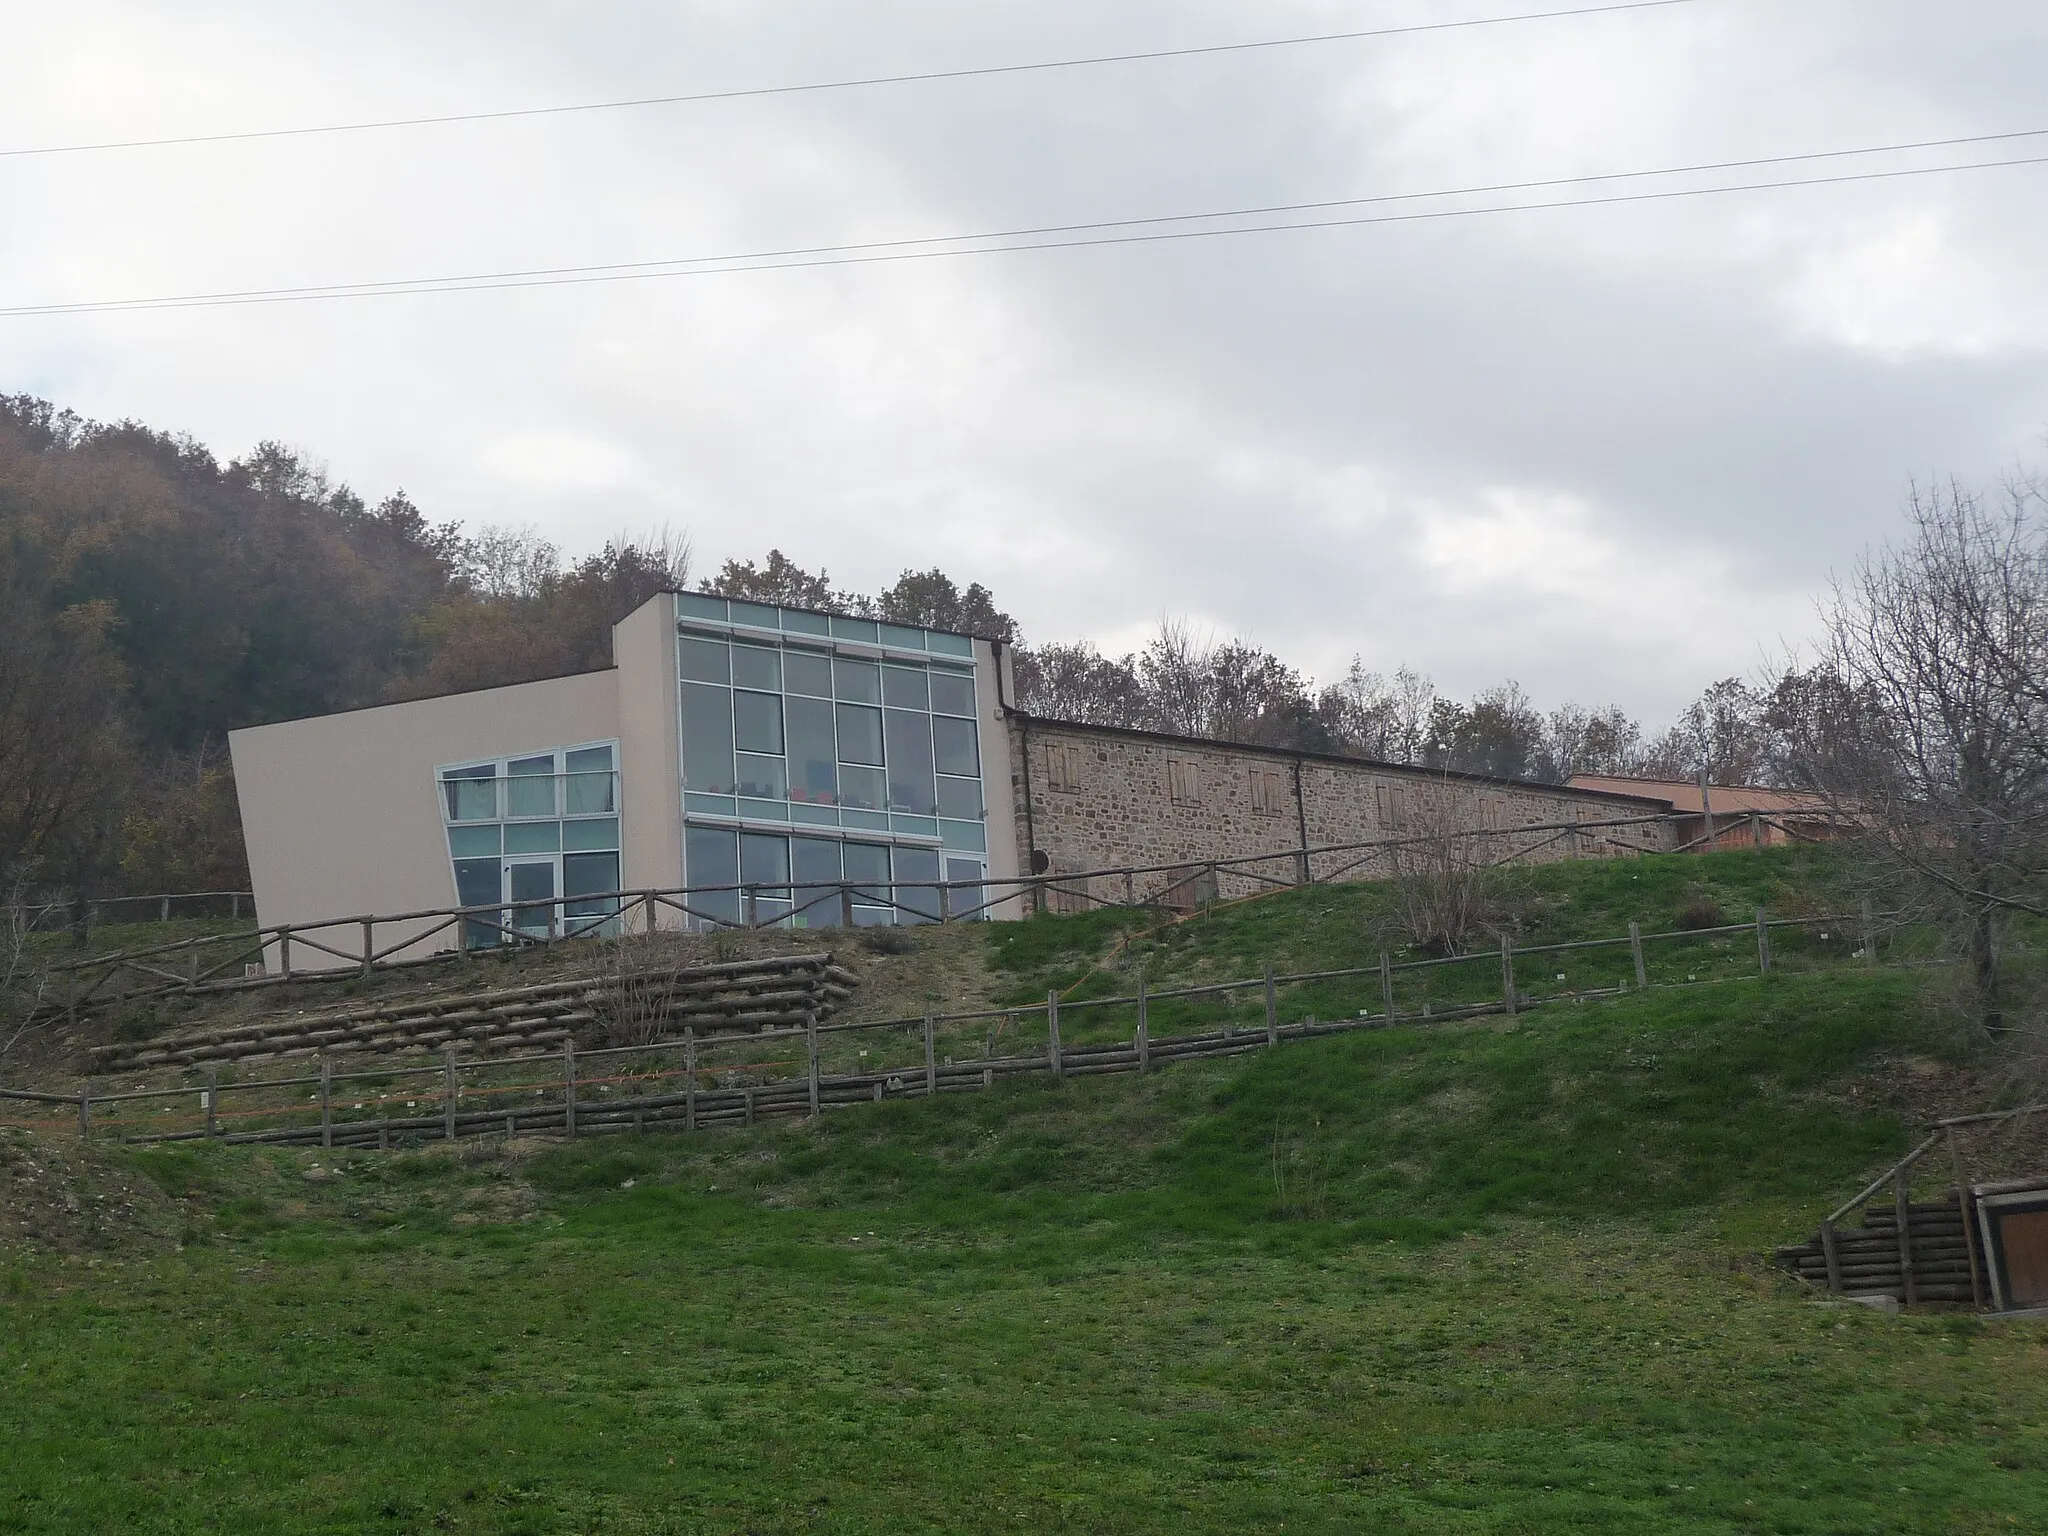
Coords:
pixel 808 765
pixel 539 833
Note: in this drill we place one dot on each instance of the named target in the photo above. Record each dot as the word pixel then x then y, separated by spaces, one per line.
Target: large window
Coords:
pixel 831 767
pixel 539 833
pixel 788 727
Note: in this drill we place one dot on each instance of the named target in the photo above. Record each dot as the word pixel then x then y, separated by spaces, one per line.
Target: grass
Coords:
pixel 1485 1277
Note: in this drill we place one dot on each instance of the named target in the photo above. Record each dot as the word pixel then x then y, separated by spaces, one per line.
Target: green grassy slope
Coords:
pixel 1480 1277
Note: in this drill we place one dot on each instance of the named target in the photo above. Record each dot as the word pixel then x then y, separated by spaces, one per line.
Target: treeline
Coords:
pixel 153 598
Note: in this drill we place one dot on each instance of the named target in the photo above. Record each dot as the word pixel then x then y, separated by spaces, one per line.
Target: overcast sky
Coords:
pixel 1611 451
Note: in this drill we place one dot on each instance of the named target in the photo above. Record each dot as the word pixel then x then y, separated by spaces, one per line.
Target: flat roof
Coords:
pixel 1302 754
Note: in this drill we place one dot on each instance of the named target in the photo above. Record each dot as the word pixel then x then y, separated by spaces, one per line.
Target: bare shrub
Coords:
pixel 636 977
pixel 1699 911
pixel 1446 890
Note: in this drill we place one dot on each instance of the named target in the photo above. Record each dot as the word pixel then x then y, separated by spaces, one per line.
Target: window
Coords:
pixel 757 722
pixel 1062 767
pixel 1393 806
pixel 807 672
pixel 909 736
pixel 545 845
pixel 755 666
pixel 813 761
pixel 1184 781
pixel 952 693
pixel 857 681
pixel 707 739
pixel 955 746
pixel 1268 799
pixel 860 735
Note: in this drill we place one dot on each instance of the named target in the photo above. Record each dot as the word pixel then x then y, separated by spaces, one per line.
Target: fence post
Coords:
pixel 811 1045
pixel 85 1113
pixel 750 906
pixel 448 1094
pixel 234 906
pixel 647 911
pixel 931 1057
pixel 1635 949
pixel 690 1077
pixel 164 912
pixel 326 1100
pixel 1904 1221
pixel 1052 1033
pixel 945 904
pixel 1272 1009
pixel 1387 984
pixel 1869 934
pixel 192 967
pixel 1833 1255
pixel 212 1102
pixel 284 952
pixel 1955 1158
pixel 1507 973
pixel 569 1087
pixel 1763 943
pixel 846 906
pixel 1130 889
pixel 1144 1041
pixel 1756 829
pixel 369 942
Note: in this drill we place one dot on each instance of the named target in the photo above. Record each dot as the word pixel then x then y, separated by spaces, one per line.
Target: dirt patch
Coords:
pixel 61 1196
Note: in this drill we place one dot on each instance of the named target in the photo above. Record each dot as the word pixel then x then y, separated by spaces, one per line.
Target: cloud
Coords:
pixel 1610 451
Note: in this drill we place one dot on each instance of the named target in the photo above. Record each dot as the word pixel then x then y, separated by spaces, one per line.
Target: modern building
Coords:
pixel 807 769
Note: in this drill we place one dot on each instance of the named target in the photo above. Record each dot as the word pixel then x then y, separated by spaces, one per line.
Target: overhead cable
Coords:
pixel 858 83
pixel 877 252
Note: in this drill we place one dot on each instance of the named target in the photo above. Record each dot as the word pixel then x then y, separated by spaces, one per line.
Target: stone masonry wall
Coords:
pixel 1103 799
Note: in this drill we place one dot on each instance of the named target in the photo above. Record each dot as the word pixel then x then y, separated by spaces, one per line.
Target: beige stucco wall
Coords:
pixel 340 812
pixel 1111 804
pixel 992 689
pixel 644 649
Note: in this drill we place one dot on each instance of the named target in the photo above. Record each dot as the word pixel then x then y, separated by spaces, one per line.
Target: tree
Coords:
pixel 780 579
pixel 1076 682
pixel 931 600
pixel 1924 721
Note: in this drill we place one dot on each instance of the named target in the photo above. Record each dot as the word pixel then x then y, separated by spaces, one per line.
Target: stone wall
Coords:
pixel 1104 799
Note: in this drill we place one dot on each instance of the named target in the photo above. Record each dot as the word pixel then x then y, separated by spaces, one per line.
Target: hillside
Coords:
pixel 1490 1276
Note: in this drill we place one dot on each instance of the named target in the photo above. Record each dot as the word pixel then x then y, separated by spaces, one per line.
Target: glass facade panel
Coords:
pixel 855 629
pixel 807 672
pixel 530 786
pixel 917 896
pixel 762 778
pixel 755 666
pixel 704 661
pixel 902 637
pixel 592 877
pixel 475 842
pixel 909 738
pixel 862 789
pixel 757 722
pixel 759 615
pixel 533 837
pixel 866 821
pixel 711 805
pixel 867 870
pixel 813 760
pixel 472 793
pixel 598 832
pixel 860 735
pixel 966 900
pixel 707 739
pixel 948 645
pixel 952 693
pixel 955 746
pixel 970 836
pixel 700 605
pixel 906 688
pixel 796 622
pixel 478 883
pixel 711 856
pixel 858 682
pixel 587 788
pixel 814 866
pixel 960 797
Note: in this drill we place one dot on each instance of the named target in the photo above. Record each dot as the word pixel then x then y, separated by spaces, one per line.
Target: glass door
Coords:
pixel 531 882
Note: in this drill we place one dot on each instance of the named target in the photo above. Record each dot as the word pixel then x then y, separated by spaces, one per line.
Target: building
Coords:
pixel 1743 815
pixel 813 770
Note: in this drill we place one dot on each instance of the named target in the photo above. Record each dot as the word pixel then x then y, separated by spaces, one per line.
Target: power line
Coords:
pixel 456 282
pixel 862 82
pixel 873 252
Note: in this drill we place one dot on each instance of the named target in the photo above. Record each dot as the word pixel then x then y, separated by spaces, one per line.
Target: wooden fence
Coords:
pixel 741 1078
pixel 358 946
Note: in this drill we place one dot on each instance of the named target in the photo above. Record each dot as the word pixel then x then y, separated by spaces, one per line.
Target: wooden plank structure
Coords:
pixel 766 993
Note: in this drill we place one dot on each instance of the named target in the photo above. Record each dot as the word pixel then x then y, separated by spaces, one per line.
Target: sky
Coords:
pixel 1612 452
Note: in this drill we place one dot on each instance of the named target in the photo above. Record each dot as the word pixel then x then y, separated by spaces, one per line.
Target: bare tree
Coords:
pixel 1925 720
pixel 1446 890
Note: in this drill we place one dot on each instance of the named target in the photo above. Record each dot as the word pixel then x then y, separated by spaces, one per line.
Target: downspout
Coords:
pixel 1024 733
pixel 1301 826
